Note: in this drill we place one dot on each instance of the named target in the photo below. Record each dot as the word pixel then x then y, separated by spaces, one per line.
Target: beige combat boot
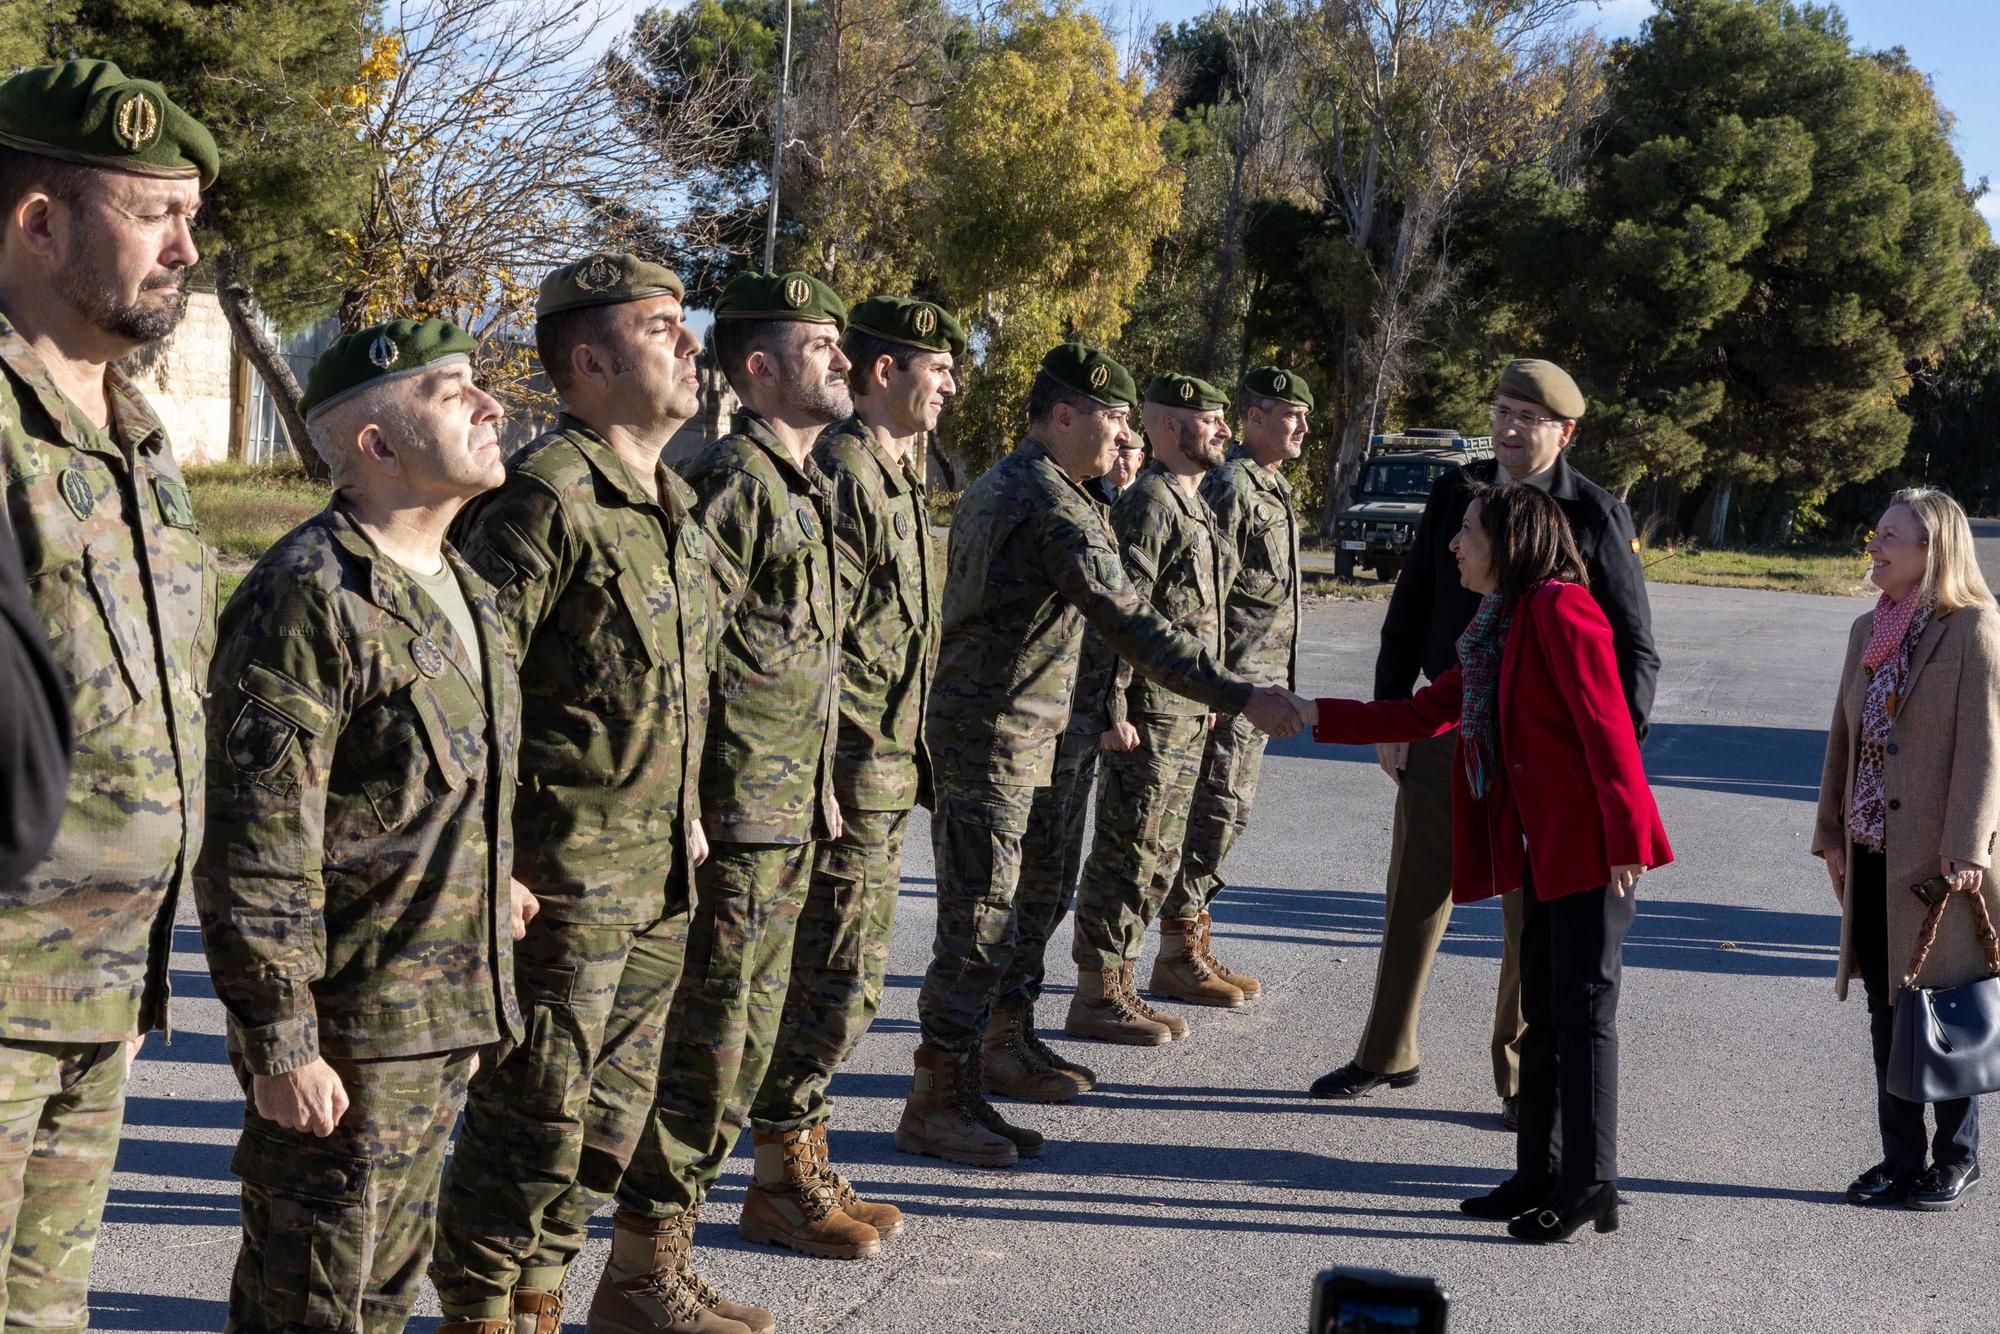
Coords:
pixel 648 1287
pixel 1177 1027
pixel 536 1312
pixel 1243 982
pixel 1027 1143
pixel 476 1327
pixel 886 1219
pixel 1082 1076
pixel 936 1120
pixel 789 1204
pixel 1100 1010
pixel 1010 1067
pixel 1181 972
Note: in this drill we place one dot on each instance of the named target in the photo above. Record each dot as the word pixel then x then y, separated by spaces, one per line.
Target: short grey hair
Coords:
pixel 332 430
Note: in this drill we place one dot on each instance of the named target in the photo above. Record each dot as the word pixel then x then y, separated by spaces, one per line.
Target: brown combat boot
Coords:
pixel 936 1121
pixel 1082 1076
pixel 886 1219
pixel 1177 1027
pixel 1243 982
pixel 1100 1010
pixel 1181 973
pixel 789 1204
pixel 649 1288
pixel 476 1327
pixel 536 1312
pixel 1028 1143
pixel 1010 1067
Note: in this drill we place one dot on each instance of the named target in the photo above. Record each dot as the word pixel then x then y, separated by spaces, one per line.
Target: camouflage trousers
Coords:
pixel 722 1026
pixel 1143 797
pixel 551 1124
pixel 61 1107
pixel 838 963
pixel 1051 860
pixel 1222 799
pixel 336 1231
pixel 976 835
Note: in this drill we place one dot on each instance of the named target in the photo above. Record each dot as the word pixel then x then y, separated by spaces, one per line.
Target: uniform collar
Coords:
pixel 752 427
pixel 1261 477
pixel 133 423
pixel 1189 502
pixel 604 460
pixel 1034 451
pixel 388 586
pixel 897 477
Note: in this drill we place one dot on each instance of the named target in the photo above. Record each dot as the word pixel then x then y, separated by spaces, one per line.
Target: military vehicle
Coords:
pixel 1378 528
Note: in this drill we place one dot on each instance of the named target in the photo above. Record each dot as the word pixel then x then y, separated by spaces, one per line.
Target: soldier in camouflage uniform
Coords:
pixel 100 177
pixel 1014 1060
pixel 1175 560
pixel 1030 561
pixel 1257 517
pixel 900 353
pixel 354 887
pixel 767 791
pixel 601 574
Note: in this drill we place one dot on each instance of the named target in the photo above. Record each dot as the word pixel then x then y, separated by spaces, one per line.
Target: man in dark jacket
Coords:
pixel 34 724
pixel 1535 410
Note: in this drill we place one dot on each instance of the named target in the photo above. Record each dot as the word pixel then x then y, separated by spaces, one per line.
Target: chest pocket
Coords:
pixel 790 608
pixel 1185 583
pixel 81 614
pixel 612 629
pixel 1267 553
pixel 403 758
pixel 912 551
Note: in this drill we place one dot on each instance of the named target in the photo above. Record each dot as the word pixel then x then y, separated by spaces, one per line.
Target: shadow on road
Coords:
pixel 158 1315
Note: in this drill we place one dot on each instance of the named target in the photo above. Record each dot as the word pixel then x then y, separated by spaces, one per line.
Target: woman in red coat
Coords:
pixel 1548 797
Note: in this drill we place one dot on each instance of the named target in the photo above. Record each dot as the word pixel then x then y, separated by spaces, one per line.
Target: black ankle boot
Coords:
pixel 1513 1197
pixel 1558 1223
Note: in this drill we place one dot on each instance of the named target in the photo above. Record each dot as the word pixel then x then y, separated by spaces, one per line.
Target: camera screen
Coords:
pixel 1364 1317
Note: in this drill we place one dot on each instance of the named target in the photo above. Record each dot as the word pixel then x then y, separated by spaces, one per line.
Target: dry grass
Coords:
pixel 1840 571
pixel 243 508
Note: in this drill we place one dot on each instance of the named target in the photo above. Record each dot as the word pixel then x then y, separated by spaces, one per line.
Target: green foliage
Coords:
pixel 270 79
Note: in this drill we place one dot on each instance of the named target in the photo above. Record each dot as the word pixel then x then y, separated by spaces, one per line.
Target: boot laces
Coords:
pixel 1043 1052
pixel 844 1193
pixel 683 1292
pixel 819 1196
pixel 1125 1000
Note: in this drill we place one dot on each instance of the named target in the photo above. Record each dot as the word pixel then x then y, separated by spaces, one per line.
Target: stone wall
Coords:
pixel 189 379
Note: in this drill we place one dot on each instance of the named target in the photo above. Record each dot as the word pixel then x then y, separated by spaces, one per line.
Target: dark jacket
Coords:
pixel 1430 608
pixel 34 724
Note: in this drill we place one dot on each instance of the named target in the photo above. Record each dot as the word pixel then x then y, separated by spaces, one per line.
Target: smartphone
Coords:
pixel 1375 1301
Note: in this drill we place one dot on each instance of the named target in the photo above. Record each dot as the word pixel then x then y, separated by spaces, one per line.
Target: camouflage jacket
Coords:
pixel 1258 519
pixel 606 593
pixel 1102 677
pixel 125 591
pixel 889 606
pixel 353 889
pixel 1031 561
pixel 767 771
pixel 1178 563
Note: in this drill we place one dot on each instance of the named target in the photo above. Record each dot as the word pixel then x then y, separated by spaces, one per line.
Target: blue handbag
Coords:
pixel 1946 1040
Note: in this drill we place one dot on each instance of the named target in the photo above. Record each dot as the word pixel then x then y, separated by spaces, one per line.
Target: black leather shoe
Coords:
pixel 1943 1188
pixel 1881 1185
pixel 1510 1199
pixel 1351 1081
pixel 1510 1113
pixel 1598 1208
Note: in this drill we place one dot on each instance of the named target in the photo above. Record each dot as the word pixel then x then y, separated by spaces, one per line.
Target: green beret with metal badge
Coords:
pixel 371 357
pixel 1276 382
pixel 1092 372
pixel 781 296
pixel 1173 390
pixel 1542 382
pixel 90 113
pixel 913 323
pixel 605 279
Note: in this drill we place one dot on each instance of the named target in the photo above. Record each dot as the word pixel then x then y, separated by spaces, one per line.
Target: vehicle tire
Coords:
pixel 1388 568
pixel 1343 565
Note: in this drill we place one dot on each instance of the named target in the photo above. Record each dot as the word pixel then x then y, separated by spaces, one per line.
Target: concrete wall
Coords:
pixel 188 381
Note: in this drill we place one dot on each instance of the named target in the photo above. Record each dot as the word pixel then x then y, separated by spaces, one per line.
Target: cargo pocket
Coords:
pixel 719 941
pixel 834 907
pixel 78 613
pixel 555 1038
pixel 308 1206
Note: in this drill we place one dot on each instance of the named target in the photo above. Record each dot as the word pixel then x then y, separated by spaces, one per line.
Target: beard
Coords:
pixel 827 400
pixel 79 283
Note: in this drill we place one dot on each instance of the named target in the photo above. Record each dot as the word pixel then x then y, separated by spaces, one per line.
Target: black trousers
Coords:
pixel 1570 969
pixel 1904 1142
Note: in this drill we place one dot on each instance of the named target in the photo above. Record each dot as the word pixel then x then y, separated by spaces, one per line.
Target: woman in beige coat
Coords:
pixel 1911 790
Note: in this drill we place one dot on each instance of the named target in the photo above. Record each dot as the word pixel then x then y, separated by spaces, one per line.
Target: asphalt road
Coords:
pixel 1198 1189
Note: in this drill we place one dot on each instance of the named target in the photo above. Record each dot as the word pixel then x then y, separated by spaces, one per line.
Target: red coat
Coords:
pixel 1570 793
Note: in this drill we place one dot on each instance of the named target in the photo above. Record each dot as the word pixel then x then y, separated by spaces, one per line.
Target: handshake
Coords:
pixel 1279 713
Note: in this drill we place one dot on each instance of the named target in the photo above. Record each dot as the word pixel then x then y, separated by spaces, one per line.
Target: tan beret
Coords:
pixel 1542 382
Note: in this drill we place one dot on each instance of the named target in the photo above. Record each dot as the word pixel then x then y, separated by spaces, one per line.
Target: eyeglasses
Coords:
pixel 1501 416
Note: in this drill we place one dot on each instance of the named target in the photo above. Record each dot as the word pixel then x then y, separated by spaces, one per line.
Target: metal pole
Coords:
pixel 778 144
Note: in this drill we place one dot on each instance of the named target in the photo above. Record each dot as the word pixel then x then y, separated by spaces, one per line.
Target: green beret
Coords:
pixel 605 280
pixel 1174 390
pixel 900 319
pixel 1542 382
pixel 371 357
pixel 1093 373
pixel 1283 385
pixel 781 296
pixel 87 111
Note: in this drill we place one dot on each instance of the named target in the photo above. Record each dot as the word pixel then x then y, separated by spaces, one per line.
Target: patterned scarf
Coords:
pixel 1887 662
pixel 1479 650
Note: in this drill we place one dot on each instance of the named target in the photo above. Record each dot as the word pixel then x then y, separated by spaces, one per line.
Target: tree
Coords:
pixel 1778 235
pixel 1044 215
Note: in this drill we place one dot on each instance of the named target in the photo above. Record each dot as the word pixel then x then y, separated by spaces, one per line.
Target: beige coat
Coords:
pixel 1942 782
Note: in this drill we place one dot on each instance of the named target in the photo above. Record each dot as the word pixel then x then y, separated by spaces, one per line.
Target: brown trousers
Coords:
pixel 1418 908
